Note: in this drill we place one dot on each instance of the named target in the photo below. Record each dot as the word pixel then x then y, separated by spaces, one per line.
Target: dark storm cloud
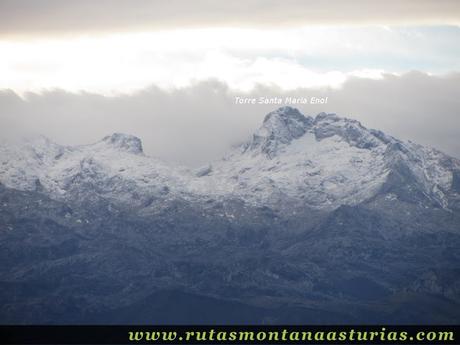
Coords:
pixel 198 124
pixel 26 17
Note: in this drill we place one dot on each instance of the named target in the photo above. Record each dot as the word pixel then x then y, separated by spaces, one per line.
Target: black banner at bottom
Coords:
pixel 229 334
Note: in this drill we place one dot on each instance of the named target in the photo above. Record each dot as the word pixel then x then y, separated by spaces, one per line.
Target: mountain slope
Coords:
pixel 328 161
pixel 114 168
pixel 320 162
pixel 312 220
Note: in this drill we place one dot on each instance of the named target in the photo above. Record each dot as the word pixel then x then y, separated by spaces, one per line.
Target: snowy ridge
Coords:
pixel 325 162
pixel 320 162
pixel 114 167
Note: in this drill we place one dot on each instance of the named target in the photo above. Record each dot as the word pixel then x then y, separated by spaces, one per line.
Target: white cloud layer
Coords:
pixel 242 58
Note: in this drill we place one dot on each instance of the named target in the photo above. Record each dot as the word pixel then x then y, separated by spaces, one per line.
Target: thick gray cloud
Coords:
pixel 66 16
pixel 198 124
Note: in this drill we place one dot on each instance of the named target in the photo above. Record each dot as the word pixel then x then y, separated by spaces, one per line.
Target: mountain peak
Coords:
pixel 125 142
pixel 279 127
pixel 287 122
pixel 285 113
pixel 283 125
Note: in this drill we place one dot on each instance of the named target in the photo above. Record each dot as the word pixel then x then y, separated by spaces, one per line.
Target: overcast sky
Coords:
pixel 47 17
pixel 168 71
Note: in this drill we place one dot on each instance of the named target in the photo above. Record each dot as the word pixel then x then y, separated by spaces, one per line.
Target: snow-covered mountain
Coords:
pixel 328 161
pixel 312 220
pixel 321 162
pixel 114 167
